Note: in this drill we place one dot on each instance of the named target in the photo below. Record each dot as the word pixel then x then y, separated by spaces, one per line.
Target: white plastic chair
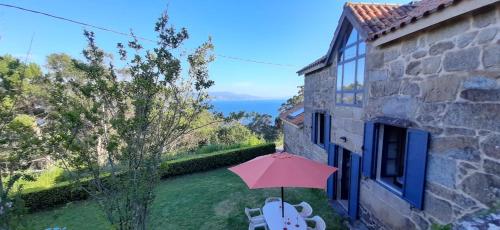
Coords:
pixel 253 226
pixel 255 220
pixel 272 199
pixel 320 223
pixel 305 209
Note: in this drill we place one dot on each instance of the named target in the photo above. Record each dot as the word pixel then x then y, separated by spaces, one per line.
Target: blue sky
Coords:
pixel 294 34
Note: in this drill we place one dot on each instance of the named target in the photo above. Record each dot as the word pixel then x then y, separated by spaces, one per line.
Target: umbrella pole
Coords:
pixel 282 203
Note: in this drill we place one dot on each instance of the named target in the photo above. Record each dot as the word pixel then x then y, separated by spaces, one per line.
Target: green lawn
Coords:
pixel 210 200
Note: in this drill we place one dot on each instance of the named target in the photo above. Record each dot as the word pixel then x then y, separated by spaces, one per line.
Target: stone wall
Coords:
pixel 319 95
pixel 294 139
pixel 347 122
pixel 445 80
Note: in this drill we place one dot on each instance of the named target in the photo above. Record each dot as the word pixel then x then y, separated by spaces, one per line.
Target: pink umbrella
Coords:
pixel 283 170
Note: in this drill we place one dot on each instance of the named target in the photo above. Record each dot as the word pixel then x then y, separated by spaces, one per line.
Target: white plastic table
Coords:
pixel 292 220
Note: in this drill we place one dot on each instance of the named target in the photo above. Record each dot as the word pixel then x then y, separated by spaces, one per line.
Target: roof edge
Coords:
pixel 428 19
pixel 347 14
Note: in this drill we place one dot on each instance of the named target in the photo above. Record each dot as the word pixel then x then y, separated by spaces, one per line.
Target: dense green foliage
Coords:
pixel 212 132
pixel 115 131
pixel 263 125
pixel 213 160
pixel 235 133
pixel 62 193
pixel 293 101
pixel 19 134
pixel 45 179
pixel 209 148
pixel 209 200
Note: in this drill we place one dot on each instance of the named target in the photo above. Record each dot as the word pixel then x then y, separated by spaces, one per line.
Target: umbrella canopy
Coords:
pixel 283 170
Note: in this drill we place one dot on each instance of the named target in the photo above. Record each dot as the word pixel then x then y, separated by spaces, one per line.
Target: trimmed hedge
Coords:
pixel 213 160
pixel 50 197
pixel 66 192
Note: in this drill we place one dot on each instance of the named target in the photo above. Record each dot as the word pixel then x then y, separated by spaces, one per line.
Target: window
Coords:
pixel 296 113
pixel 320 130
pixel 391 156
pixel 350 70
pixel 396 158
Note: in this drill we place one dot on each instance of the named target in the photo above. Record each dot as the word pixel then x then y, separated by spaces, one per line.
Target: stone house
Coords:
pixel 406 103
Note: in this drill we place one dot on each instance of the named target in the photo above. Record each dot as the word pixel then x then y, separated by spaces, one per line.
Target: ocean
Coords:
pixel 260 106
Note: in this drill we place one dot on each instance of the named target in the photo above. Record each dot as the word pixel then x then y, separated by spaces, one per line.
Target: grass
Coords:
pixel 46 179
pixel 209 200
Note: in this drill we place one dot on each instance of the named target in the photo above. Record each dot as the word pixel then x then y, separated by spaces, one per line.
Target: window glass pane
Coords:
pixel 392 159
pixel 348 98
pixel 338 97
pixel 348 83
pixel 316 121
pixel 321 128
pixel 353 37
pixel 359 98
pixel 390 168
pixel 350 52
pixel 361 73
pixel 341 56
pixel 361 48
pixel 339 77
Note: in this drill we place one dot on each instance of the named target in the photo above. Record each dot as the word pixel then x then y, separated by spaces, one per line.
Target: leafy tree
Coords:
pixel 232 133
pixel 263 125
pixel 115 131
pixel 19 139
pixel 293 101
pixel 63 66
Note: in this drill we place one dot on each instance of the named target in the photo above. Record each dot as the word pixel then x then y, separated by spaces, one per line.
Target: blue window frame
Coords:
pixel 391 154
pixel 320 129
pixel 350 70
pixel 396 158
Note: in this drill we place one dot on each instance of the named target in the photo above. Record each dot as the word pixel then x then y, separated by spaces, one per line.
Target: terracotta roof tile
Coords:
pixel 297 120
pixel 379 19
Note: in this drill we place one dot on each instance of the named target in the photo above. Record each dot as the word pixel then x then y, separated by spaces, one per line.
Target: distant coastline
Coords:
pixel 229 96
pixel 265 106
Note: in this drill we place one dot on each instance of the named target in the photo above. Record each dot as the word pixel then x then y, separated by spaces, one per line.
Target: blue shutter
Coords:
pixel 332 157
pixel 327 131
pixel 369 142
pixel 416 161
pixel 313 126
pixel 354 186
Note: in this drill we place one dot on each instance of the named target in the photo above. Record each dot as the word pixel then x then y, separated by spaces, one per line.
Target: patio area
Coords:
pixel 210 200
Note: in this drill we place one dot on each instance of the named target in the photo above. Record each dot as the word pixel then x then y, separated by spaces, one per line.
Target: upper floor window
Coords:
pixel 320 129
pixel 350 70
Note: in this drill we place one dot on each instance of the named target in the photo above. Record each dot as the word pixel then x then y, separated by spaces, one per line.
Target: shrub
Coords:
pixel 213 160
pixel 49 197
pixel 65 192
pixel 45 179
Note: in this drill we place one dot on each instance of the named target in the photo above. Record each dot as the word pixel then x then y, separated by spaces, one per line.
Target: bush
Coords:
pixel 50 197
pixel 213 160
pixel 45 179
pixel 66 192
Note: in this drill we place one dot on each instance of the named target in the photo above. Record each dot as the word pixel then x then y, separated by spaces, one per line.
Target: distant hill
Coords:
pixel 228 96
